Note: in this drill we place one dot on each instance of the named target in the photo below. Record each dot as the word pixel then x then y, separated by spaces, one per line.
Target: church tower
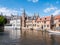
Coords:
pixel 35 16
pixel 23 19
pixel 52 22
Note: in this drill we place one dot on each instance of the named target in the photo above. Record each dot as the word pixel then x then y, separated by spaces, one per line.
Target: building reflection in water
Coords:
pixel 28 37
pixel 52 40
pixel 37 38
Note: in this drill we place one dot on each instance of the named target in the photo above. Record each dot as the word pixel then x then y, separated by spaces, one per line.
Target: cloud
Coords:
pixel 56 12
pixel 49 9
pixel 34 1
pixel 8 12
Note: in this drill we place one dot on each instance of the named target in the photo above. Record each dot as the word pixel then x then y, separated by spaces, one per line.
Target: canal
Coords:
pixel 28 37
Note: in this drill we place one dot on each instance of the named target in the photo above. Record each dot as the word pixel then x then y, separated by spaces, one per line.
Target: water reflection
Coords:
pixel 52 40
pixel 39 38
pixel 28 37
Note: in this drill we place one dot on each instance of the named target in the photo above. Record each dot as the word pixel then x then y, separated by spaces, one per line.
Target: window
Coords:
pixel 59 25
pixel 55 25
pixel 45 18
pixel 37 22
pixel 27 25
pixel 40 19
pixel 33 24
pixel 37 25
pixel 18 25
pixel 44 21
pixel 13 24
pixel 47 25
pixel 44 25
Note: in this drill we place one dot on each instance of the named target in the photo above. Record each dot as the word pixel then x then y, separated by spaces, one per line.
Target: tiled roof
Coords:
pixel 47 18
pixel 57 17
pixel 38 19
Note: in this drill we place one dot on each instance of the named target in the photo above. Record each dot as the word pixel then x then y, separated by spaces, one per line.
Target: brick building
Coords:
pixel 35 22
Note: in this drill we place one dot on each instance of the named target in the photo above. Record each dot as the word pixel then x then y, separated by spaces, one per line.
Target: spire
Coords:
pixel 1 14
pixel 52 17
pixel 11 14
pixel 38 15
pixel 34 16
pixel 24 11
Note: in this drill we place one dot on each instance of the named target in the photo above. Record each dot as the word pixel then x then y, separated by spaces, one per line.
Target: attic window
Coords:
pixel 56 18
pixel 40 19
pixel 45 18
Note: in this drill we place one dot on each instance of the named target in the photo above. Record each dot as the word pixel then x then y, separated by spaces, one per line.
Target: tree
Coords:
pixel 3 21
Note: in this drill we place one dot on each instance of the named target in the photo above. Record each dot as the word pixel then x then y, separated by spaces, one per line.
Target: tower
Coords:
pixel 35 16
pixel 1 14
pixel 52 22
pixel 23 19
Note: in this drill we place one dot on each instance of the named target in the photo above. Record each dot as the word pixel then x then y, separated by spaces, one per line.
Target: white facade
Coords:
pixel 15 22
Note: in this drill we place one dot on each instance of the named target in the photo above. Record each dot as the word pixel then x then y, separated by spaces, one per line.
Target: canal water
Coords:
pixel 28 37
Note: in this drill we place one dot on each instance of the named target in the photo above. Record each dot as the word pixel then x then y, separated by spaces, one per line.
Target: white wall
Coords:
pixel 15 23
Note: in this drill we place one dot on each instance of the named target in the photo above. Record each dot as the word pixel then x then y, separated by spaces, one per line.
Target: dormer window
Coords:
pixel 45 18
pixel 40 19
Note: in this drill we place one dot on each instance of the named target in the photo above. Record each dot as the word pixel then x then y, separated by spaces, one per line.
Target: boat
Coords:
pixel 53 32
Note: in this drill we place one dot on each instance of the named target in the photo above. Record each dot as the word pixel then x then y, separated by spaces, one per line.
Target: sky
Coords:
pixel 41 7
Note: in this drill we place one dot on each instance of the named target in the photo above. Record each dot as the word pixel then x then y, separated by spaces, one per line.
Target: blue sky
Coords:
pixel 43 7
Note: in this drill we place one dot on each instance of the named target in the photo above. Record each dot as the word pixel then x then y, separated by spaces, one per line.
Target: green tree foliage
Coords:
pixel 3 20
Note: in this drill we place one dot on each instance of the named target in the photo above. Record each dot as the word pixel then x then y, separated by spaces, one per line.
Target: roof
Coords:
pixel 38 19
pixel 47 18
pixel 57 17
